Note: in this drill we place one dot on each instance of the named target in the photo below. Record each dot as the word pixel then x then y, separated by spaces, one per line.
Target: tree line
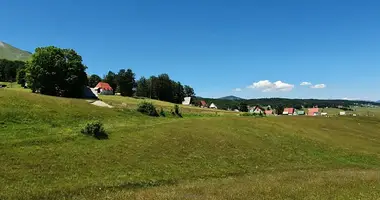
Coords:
pixel 160 87
pixel 283 102
pixel 9 69
pixel 60 72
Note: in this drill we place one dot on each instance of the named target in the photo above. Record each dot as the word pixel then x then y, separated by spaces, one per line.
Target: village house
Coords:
pixel 257 110
pixel 313 112
pixel 203 104
pixel 268 112
pixel 288 111
pixel 213 106
pixel 103 88
pixel 186 101
pixel 300 112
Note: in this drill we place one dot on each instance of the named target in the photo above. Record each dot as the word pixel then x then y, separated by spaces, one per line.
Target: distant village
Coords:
pixel 105 89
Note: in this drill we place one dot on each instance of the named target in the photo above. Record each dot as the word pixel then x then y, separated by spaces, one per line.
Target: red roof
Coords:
pixel 104 86
pixel 312 111
pixel 203 103
pixel 289 110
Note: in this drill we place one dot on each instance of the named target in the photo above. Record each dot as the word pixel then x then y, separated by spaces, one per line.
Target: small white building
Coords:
pixel 186 101
pixel 342 113
pixel 213 106
pixel 324 114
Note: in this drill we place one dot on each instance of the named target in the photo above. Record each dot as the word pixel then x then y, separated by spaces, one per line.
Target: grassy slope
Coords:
pixel 12 53
pixel 132 103
pixel 43 154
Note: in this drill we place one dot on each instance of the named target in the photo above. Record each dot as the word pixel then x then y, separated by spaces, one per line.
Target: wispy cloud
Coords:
pixel 267 86
pixel 305 83
pixel 318 86
pixel 237 89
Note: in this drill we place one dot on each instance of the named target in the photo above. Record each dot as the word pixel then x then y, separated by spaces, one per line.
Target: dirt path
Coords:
pixel 101 104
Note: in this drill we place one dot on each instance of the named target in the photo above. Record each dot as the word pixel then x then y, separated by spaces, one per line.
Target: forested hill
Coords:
pixel 307 103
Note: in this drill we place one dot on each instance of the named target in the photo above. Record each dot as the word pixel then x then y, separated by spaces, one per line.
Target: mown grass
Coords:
pixel 43 155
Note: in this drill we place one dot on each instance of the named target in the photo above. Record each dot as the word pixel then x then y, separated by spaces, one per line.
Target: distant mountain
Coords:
pixel 378 101
pixel 232 98
pixel 10 52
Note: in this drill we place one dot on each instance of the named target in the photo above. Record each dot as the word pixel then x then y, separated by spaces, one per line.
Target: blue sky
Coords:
pixel 263 48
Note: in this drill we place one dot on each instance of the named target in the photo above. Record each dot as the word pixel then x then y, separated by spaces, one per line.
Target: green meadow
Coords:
pixel 207 154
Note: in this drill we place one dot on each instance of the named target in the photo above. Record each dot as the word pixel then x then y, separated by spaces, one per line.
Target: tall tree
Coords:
pixel 153 87
pixel 142 89
pixel 126 82
pixel 178 92
pixel 189 91
pixel 55 71
pixel 21 77
pixel 110 78
pixel 243 107
pixel 279 109
pixel 93 80
pixel 165 88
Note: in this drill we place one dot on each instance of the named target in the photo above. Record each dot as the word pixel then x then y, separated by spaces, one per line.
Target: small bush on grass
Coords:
pixel 148 109
pixel 177 111
pixel 162 113
pixel 96 130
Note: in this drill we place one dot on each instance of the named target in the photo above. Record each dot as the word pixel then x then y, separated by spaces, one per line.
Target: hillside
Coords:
pixel 12 53
pixel 232 98
pixel 44 155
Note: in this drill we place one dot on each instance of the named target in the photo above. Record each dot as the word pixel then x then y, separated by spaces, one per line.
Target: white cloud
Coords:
pixel 305 83
pixel 267 86
pixel 318 86
pixel 237 89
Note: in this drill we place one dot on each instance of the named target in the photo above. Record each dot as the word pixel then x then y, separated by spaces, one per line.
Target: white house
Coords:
pixel 257 110
pixel 342 113
pixel 187 101
pixel 213 106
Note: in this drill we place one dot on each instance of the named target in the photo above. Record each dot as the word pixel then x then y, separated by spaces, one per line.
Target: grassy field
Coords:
pixel 132 103
pixel 43 155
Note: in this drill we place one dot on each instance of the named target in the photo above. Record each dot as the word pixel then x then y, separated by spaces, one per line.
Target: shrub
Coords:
pixel 162 113
pixel 246 114
pixel 148 109
pixel 177 111
pixel 96 130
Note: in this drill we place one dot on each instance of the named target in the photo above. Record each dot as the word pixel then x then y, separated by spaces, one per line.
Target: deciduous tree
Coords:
pixel 55 71
pixel 126 82
pixel 93 80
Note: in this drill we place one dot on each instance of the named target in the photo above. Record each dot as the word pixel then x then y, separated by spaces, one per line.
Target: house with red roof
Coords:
pixel 103 88
pixel 313 112
pixel 288 111
pixel 203 104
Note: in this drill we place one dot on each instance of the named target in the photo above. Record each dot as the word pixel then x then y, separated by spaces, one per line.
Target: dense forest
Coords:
pixel 296 103
pixel 9 69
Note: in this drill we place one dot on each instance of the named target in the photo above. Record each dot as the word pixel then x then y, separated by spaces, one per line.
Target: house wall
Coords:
pixel 106 92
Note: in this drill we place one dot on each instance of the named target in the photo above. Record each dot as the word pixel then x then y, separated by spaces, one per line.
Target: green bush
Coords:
pixel 162 113
pixel 177 111
pixel 148 109
pixel 96 130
